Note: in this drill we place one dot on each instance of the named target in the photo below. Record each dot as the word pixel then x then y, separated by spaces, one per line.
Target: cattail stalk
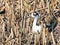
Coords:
pixel 44 38
pixel 53 38
pixel 22 12
pixel 35 36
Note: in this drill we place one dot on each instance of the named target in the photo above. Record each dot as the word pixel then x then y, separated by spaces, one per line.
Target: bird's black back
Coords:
pixel 53 23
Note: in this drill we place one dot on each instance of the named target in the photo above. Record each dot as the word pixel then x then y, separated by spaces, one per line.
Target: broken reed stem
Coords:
pixel 38 39
pixel 48 6
pixel 3 33
pixel 12 33
pixel 53 38
pixel 28 27
pixel 3 27
pixel 20 39
pixel 35 37
pixel 44 39
pixel 24 25
pixel 22 12
pixel 34 5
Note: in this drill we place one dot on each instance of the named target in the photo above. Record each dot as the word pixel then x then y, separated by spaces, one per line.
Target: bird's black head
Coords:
pixel 35 13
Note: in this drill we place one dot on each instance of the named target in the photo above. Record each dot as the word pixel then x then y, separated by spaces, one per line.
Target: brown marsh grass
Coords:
pixel 15 27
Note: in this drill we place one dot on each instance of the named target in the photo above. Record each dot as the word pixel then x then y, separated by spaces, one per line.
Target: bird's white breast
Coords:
pixel 36 28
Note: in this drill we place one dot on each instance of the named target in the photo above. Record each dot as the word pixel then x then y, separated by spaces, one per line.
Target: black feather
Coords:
pixel 52 24
pixel 35 14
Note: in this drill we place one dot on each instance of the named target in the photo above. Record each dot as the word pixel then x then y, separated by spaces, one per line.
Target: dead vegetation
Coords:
pixel 15 27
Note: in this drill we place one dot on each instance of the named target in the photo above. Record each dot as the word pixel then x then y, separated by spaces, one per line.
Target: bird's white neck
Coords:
pixel 35 21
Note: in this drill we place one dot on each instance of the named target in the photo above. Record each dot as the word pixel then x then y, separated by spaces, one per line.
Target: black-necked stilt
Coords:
pixel 35 28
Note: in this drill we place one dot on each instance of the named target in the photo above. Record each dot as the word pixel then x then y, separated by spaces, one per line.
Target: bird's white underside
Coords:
pixel 35 28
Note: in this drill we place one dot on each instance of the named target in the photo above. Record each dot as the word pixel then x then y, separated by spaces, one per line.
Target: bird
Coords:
pixel 54 22
pixel 35 28
pixel 52 25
